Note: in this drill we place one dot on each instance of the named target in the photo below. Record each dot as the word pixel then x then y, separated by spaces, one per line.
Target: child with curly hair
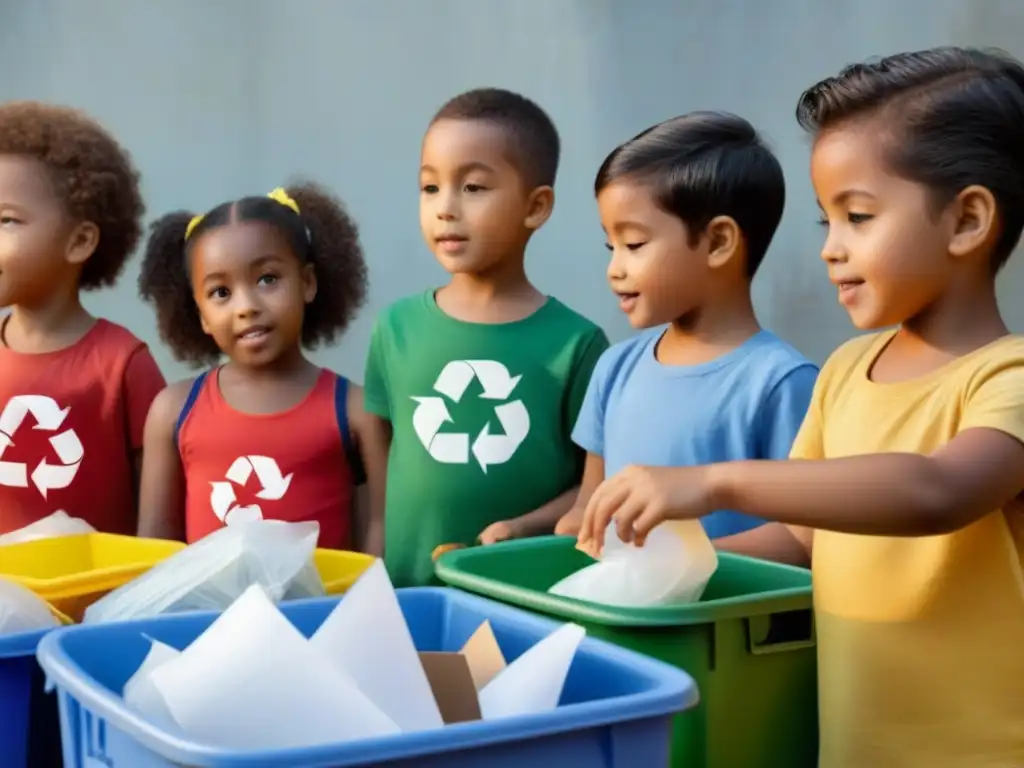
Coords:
pixel 267 434
pixel 74 389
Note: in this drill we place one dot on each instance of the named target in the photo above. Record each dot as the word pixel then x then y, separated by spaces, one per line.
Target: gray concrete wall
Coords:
pixel 221 98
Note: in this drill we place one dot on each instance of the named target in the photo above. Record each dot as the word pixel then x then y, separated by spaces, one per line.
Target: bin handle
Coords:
pixel 781 632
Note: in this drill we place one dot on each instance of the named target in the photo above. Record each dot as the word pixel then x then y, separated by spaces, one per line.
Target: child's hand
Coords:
pixel 639 498
pixel 570 523
pixel 500 531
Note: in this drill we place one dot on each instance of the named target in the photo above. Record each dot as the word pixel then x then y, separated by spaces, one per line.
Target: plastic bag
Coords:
pixel 212 573
pixel 672 568
pixel 22 610
pixel 58 524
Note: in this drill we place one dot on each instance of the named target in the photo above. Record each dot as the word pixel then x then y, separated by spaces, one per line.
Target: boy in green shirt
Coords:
pixel 481 379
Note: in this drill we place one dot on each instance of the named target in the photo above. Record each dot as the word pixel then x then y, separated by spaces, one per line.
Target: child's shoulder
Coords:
pixel 558 312
pixel 774 354
pixel 116 338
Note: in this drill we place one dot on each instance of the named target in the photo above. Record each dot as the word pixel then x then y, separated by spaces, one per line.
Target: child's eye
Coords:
pixel 267 279
pixel 609 246
pixel 635 246
pixel 858 218
pixel 429 189
pixel 822 221
pixel 218 293
pixel 474 188
pixel 8 220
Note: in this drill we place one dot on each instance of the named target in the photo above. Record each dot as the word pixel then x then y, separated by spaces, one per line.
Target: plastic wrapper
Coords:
pixel 22 610
pixel 212 573
pixel 56 525
pixel 672 568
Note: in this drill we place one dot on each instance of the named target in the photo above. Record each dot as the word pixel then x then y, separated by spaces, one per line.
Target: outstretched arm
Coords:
pixel 890 494
pixel 372 436
pixel 162 486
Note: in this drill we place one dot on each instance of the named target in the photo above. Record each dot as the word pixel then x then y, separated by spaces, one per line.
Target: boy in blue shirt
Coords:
pixel 689 208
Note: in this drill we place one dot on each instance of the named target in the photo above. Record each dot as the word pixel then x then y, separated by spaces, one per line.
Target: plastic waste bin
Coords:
pixel 30 736
pixel 340 569
pixel 749 644
pixel 73 572
pixel 615 712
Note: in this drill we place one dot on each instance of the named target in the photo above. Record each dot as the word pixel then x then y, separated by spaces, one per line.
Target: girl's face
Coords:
pixel 251 290
pixel 887 247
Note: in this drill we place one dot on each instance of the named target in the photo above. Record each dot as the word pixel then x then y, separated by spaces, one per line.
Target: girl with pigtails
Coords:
pixel 262 433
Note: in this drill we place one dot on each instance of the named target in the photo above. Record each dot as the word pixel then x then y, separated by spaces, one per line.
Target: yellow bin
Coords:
pixel 339 570
pixel 73 572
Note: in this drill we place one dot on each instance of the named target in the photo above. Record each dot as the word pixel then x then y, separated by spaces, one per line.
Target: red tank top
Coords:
pixel 296 465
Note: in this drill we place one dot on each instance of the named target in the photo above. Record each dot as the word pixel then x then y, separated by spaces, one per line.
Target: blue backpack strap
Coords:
pixel 355 461
pixel 190 401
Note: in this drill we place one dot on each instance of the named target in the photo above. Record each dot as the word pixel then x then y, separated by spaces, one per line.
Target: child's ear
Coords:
pixel 974 219
pixel 539 207
pixel 724 241
pixel 308 283
pixel 82 242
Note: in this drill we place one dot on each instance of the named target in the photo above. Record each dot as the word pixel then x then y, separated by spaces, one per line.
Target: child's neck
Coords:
pixel 958 323
pixel 47 327
pixel 502 295
pixel 708 332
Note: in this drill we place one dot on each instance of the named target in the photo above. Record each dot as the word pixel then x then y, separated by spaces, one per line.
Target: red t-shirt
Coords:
pixel 290 466
pixel 70 421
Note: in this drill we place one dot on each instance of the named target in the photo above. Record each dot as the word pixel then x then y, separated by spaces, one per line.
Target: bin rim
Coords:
pixel 672 690
pixel 570 609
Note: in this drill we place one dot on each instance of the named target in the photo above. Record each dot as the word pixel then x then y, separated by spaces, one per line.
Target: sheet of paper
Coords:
pixel 532 684
pixel 366 636
pixel 139 691
pixel 251 681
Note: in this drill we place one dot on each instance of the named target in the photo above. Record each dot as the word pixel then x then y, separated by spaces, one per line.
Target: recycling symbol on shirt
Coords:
pixel 272 487
pixel 454 447
pixel 49 417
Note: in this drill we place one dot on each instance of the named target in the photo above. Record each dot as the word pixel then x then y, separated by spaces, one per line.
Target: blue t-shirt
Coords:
pixel 747 404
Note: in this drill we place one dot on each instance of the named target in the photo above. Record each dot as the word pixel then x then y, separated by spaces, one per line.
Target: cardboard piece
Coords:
pixel 457 679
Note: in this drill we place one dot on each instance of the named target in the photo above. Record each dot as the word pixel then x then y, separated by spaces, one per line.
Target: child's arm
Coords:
pixel 889 494
pixel 162 488
pixel 142 382
pixel 772 541
pixel 372 436
pixel 593 476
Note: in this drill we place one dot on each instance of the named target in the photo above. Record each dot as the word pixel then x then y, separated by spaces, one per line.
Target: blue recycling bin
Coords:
pixel 30 732
pixel 616 708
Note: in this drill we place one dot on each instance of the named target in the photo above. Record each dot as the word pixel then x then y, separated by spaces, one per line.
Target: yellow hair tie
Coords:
pixel 279 196
pixel 192 225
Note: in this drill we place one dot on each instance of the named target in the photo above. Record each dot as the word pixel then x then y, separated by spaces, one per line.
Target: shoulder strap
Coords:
pixel 190 401
pixel 355 461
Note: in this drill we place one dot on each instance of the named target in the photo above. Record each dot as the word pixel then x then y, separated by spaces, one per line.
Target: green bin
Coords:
pixel 749 644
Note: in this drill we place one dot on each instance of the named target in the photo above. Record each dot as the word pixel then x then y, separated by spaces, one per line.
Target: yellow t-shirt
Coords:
pixel 920 640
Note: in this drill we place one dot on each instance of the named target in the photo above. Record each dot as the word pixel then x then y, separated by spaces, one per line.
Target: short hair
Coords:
pixel 533 138
pixel 702 165
pixel 949 117
pixel 322 234
pixel 92 174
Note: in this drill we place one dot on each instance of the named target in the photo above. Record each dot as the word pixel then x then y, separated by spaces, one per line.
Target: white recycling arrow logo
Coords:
pixel 454 447
pixel 49 417
pixel 272 487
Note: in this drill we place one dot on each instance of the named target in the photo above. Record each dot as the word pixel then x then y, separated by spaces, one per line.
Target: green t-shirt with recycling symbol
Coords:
pixel 481 417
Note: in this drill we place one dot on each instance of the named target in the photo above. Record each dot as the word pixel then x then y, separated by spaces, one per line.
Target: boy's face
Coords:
pixel 887 249
pixel 476 211
pixel 655 270
pixel 251 290
pixel 33 232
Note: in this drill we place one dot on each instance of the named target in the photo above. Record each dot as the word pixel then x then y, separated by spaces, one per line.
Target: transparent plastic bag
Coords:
pixel 22 610
pixel 58 524
pixel 672 568
pixel 212 573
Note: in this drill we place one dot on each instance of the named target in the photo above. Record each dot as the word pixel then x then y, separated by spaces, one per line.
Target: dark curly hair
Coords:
pixel 92 174
pixel 323 234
